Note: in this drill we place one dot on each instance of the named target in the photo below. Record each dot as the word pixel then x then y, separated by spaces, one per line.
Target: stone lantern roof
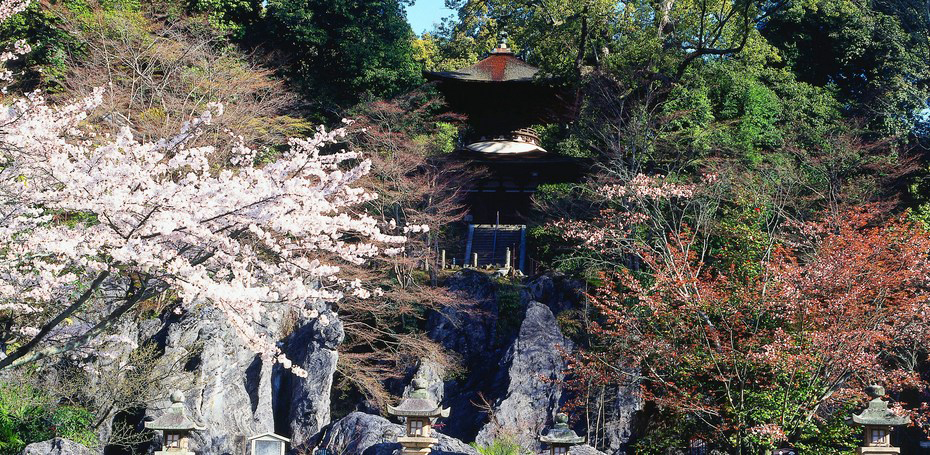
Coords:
pixel 877 412
pixel 175 419
pixel 560 433
pixel 420 403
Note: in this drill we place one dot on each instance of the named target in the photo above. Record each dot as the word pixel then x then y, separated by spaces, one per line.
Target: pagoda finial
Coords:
pixel 502 46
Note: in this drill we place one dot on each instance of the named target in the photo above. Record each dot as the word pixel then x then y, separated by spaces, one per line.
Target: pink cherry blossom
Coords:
pixel 117 217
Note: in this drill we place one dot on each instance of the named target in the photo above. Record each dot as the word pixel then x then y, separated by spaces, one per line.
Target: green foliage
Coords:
pixel 232 15
pixel 876 61
pixel 552 192
pixel 344 51
pixel 561 140
pixel 746 112
pixel 509 308
pixel 500 446
pixel 46 65
pixel 546 33
pixel 445 137
pixel 29 415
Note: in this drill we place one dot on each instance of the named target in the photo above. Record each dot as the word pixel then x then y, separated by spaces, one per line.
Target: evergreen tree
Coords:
pixel 345 51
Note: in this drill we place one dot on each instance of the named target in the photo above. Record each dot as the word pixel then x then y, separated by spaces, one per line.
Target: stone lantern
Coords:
pixel 878 421
pixel 560 438
pixel 419 410
pixel 175 426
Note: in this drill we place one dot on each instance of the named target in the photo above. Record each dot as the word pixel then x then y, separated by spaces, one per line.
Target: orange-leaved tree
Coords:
pixel 753 359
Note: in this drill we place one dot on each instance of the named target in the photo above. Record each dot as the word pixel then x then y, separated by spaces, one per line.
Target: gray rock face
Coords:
pixel 620 418
pixel 534 367
pixel 469 331
pixel 57 446
pixel 365 434
pixel 433 374
pixel 313 348
pixel 226 384
pixel 554 290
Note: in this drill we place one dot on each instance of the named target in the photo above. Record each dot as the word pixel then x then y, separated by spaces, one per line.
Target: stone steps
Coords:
pixel 490 243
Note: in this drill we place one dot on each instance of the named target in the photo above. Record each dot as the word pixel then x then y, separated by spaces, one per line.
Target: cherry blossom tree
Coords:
pixel 91 226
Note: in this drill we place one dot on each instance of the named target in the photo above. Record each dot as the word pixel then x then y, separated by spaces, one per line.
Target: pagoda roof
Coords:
pixel 501 66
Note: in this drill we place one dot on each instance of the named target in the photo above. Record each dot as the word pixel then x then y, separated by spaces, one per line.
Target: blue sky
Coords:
pixel 424 13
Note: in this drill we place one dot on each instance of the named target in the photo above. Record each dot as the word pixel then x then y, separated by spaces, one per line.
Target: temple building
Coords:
pixel 503 97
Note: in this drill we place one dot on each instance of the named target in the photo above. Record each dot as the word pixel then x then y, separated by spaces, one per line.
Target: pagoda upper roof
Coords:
pixel 501 66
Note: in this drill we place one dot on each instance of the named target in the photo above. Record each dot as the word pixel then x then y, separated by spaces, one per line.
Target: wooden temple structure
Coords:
pixel 503 97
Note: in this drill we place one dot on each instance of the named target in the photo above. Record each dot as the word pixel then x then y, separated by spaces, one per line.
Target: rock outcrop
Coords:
pixel 620 418
pixel 312 347
pixel 556 291
pixel 365 434
pixel 57 446
pixel 533 365
pixel 227 384
pixel 469 330
pixel 432 373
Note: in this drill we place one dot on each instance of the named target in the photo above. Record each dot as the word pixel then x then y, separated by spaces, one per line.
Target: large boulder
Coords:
pixel 57 446
pixel 365 434
pixel 534 367
pixel 314 348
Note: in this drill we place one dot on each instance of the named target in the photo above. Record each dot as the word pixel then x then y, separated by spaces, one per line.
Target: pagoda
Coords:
pixel 503 97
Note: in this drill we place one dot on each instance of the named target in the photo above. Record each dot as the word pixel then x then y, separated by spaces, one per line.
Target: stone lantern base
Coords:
pixel 878 451
pixel 416 445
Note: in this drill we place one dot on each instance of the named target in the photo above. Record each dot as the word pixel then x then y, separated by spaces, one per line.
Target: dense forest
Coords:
pixel 254 202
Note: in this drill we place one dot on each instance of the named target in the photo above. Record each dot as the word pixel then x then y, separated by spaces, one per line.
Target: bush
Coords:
pixel 29 415
pixel 500 446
